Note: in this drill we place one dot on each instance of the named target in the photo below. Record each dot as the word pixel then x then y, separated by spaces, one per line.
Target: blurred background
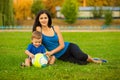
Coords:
pixel 72 14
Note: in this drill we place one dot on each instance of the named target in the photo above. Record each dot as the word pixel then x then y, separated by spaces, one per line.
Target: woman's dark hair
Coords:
pixel 37 23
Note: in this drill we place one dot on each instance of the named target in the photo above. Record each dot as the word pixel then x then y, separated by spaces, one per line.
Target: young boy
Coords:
pixel 36 47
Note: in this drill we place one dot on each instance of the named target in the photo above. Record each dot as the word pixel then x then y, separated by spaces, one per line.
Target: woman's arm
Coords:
pixel 60 39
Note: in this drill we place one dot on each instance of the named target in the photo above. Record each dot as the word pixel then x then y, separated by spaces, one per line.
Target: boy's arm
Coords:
pixel 29 53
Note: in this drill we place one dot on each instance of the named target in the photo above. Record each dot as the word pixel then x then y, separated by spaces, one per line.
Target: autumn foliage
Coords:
pixel 22 8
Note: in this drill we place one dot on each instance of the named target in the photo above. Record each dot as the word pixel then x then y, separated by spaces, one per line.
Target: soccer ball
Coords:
pixel 40 60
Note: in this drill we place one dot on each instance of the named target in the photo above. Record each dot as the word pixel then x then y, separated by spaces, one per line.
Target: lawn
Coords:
pixel 97 44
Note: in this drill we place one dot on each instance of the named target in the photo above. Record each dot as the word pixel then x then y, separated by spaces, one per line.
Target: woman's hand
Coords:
pixel 48 54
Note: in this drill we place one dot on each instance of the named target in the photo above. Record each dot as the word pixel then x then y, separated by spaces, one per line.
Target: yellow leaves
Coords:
pixel 22 9
pixel 52 5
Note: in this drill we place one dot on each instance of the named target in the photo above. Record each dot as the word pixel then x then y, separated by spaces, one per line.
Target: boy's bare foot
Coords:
pixel 22 64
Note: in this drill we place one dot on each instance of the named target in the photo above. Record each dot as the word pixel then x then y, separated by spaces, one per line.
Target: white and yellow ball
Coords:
pixel 40 60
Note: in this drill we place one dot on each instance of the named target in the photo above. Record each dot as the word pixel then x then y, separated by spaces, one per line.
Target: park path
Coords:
pixel 116 30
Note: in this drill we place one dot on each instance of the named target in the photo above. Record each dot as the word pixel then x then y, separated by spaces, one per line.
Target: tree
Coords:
pixel 84 3
pixel 97 12
pixel 36 6
pixel 1 13
pixel 70 10
pixel 6 13
pixel 52 5
pixel 103 2
pixel 22 9
pixel 108 17
pixel 117 3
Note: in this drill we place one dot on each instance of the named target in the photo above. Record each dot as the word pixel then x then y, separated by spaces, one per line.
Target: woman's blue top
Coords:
pixel 51 42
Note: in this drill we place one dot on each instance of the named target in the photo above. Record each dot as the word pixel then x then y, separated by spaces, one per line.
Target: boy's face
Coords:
pixel 36 42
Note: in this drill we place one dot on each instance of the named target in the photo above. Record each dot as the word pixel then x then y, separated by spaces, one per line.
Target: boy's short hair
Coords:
pixel 36 34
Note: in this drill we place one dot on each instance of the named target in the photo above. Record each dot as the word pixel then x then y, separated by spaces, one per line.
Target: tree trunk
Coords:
pixel 1 10
pixel 84 3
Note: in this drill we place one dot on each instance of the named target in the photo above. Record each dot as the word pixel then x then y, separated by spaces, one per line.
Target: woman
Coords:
pixel 53 41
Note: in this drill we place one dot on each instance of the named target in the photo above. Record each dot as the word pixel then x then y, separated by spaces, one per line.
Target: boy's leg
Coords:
pixel 52 60
pixel 27 62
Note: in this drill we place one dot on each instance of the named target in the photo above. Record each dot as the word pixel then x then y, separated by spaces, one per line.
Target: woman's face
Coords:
pixel 43 19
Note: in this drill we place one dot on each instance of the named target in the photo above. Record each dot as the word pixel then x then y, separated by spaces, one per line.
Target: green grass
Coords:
pixel 97 44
